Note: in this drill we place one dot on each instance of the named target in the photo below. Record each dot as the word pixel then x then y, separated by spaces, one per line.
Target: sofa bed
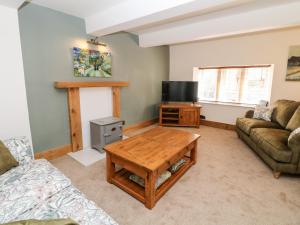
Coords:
pixel 37 190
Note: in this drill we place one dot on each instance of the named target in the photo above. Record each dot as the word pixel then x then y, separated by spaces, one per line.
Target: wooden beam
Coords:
pixel 53 153
pixel 66 84
pixel 74 105
pixel 75 118
pixel 116 101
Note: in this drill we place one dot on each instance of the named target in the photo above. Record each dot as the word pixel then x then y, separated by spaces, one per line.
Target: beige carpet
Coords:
pixel 229 185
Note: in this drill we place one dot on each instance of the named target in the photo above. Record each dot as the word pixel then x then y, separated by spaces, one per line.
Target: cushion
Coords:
pixel 246 124
pixel 27 186
pixel 294 134
pixel 263 103
pixel 20 148
pixel 177 165
pixel 283 111
pixel 294 122
pixel 160 180
pixel 7 161
pixel 69 203
pixel 263 112
pixel 274 142
pixel 294 140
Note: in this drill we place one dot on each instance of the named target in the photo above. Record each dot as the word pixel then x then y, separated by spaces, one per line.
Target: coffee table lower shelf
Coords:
pixel 121 179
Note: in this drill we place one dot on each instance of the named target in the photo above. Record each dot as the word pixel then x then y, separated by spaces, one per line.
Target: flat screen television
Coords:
pixel 179 91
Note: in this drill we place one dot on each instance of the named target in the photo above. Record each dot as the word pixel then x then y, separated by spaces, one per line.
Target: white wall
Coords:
pixel 95 103
pixel 14 117
pixel 261 48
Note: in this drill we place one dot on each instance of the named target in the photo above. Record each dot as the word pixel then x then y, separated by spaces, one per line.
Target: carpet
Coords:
pixel 229 184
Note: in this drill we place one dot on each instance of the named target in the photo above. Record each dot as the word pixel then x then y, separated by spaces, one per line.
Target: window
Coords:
pixel 237 84
pixel 207 84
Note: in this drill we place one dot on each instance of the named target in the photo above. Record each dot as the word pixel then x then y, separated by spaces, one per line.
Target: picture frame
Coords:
pixel 293 64
pixel 91 63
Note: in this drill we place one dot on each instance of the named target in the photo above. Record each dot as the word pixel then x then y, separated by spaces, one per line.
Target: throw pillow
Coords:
pixel 263 113
pixel 294 122
pixel 177 165
pixel 160 180
pixel 263 103
pixel 7 161
pixel 20 148
pixel 295 133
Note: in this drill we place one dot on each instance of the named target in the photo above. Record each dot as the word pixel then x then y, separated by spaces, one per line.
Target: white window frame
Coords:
pixel 242 68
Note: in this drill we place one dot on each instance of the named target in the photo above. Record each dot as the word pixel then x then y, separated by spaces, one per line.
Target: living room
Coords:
pixel 200 98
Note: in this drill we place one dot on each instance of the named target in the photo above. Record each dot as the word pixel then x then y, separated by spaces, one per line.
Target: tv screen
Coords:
pixel 179 91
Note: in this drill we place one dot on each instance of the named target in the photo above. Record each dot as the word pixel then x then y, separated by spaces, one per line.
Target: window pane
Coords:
pixel 207 83
pixel 255 86
pixel 230 85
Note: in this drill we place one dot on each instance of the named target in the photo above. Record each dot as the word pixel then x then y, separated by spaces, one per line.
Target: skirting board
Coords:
pixel 54 153
pixel 224 126
pixel 57 152
pixel 140 125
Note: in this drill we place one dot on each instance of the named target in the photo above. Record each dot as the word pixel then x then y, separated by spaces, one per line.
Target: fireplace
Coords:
pixel 74 105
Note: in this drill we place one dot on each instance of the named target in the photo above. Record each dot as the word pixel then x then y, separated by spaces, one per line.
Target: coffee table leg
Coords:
pixel 110 168
pixel 150 190
pixel 194 153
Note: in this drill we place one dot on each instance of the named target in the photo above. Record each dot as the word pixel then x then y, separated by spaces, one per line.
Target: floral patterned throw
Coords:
pixel 37 190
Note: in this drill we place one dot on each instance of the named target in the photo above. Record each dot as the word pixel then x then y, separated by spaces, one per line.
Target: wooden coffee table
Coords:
pixel 148 155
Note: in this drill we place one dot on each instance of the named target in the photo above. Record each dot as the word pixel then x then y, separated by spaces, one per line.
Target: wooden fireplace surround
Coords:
pixel 74 105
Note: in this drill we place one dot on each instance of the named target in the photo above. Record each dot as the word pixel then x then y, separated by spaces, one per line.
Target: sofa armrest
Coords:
pixel 294 145
pixel 249 114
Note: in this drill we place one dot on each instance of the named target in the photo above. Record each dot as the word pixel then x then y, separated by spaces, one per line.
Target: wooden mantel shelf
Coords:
pixel 74 104
pixel 67 84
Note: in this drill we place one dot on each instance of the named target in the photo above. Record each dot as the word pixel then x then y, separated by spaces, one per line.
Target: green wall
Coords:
pixel 47 38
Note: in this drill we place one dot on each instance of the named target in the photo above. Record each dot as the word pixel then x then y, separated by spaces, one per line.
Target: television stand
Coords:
pixel 179 114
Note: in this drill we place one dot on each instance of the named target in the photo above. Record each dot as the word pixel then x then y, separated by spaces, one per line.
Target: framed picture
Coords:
pixel 293 65
pixel 91 63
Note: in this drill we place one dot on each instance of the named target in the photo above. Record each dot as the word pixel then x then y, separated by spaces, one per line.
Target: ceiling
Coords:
pixel 80 8
pixel 12 3
pixel 168 22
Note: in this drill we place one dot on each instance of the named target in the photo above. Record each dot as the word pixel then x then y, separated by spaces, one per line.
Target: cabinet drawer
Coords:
pixel 113 138
pixel 113 132
pixel 113 128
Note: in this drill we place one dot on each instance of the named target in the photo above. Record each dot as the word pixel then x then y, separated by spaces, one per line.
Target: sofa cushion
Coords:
pixel 7 161
pixel 246 124
pixel 26 186
pixel 69 203
pixel 274 142
pixel 283 111
pixel 294 122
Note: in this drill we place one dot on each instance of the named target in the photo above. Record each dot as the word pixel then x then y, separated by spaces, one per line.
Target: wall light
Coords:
pixel 94 41
pixel 102 47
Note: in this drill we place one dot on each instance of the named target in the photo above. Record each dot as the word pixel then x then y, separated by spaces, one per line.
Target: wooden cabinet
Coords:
pixel 189 116
pixel 180 115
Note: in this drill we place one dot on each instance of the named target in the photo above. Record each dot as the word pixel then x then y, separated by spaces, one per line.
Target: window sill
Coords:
pixel 228 104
